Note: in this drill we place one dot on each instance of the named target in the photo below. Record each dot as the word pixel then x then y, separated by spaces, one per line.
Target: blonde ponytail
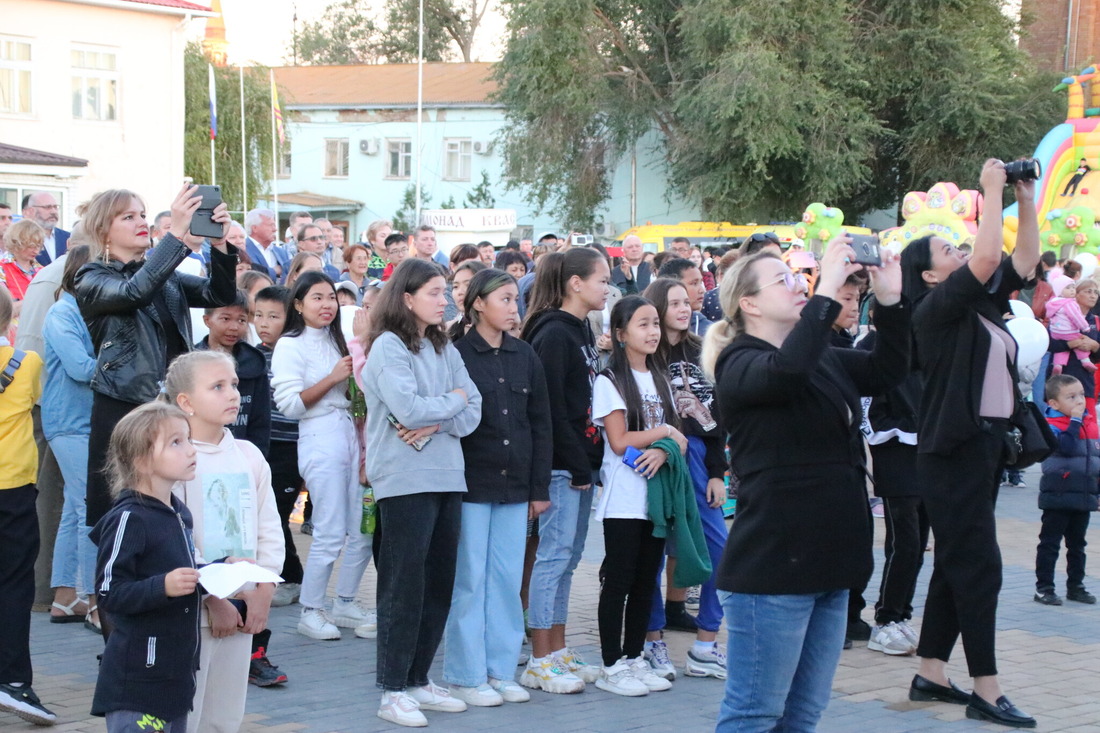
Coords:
pixel 740 281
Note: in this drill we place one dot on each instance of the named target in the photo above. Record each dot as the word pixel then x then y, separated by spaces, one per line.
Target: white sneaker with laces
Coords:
pixel 401 709
pixel 509 690
pixel 910 633
pixel 548 675
pixel 659 661
pixel 619 679
pixel 349 614
pixel 482 696
pixel 369 628
pixel 574 662
pixel 711 664
pixel 641 670
pixel 433 697
pixel 890 639
pixel 315 624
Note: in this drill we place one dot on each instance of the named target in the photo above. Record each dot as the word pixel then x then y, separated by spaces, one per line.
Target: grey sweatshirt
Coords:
pixel 416 389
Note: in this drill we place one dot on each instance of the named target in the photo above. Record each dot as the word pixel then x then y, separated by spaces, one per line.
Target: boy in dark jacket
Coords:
pixel 1068 491
pixel 228 330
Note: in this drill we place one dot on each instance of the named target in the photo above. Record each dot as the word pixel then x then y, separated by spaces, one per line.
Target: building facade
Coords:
pixel 1061 35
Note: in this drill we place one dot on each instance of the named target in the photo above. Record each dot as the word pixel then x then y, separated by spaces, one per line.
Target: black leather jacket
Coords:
pixel 116 301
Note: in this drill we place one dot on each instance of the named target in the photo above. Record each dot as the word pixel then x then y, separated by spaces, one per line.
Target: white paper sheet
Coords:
pixel 224 579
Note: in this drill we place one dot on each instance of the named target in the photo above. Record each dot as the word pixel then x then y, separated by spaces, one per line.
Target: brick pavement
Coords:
pixel 1049 658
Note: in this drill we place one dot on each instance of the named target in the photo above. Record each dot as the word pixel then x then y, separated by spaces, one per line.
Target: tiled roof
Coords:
pixel 13 154
pixel 384 85
pixel 181 4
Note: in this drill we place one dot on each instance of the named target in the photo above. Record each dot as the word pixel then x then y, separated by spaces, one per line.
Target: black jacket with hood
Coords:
pixel 565 347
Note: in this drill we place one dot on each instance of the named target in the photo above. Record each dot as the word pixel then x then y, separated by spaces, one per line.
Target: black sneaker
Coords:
pixel 23 702
pixel 1080 595
pixel 859 630
pixel 262 673
pixel 1050 598
pixel 677 617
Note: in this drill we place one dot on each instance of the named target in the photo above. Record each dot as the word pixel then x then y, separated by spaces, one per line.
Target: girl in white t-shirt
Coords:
pixel 632 402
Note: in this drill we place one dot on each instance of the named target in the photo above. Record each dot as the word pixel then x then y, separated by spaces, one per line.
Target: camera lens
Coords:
pixel 1022 170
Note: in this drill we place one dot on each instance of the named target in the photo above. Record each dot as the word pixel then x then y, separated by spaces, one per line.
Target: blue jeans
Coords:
pixel 563 528
pixel 782 655
pixel 73 553
pixel 709 617
pixel 485 625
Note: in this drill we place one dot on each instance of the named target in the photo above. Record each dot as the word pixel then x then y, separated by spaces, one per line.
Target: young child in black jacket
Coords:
pixel 146 577
pixel 1067 491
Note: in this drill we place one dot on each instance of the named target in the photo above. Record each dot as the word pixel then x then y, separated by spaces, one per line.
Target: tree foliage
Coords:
pixel 351 32
pixel 481 195
pixel 404 219
pixel 231 172
pixel 761 106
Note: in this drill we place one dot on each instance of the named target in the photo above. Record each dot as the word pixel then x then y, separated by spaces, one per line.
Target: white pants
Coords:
pixel 328 459
pixel 221 683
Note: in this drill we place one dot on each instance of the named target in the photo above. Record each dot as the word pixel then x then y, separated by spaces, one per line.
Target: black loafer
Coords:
pixel 1003 713
pixel 1080 595
pixel 923 690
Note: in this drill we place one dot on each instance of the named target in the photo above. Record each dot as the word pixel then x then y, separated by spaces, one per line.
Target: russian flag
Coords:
pixel 213 103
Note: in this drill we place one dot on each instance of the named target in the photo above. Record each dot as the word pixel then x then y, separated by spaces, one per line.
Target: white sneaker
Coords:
pixel 548 675
pixel 433 697
pixel 890 639
pixel 369 628
pixel 286 594
pixel 910 633
pixel 575 664
pixel 620 680
pixel 509 690
pixel 316 624
pixel 659 662
pixel 348 614
pixel 482 696
pixel 400 708
pixel 641 670
pixel 711 664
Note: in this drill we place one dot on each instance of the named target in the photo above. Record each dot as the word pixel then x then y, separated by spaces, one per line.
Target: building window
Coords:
pixel 284 162
pixel 457 153
pixel 95 84
pixel 336 158
pixel 399 158
pixel 15 76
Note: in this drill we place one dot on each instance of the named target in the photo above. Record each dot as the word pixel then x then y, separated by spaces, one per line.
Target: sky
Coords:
pixel 260 31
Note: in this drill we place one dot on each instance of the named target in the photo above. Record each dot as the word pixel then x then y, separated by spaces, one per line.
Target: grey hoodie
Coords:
pixel 417 390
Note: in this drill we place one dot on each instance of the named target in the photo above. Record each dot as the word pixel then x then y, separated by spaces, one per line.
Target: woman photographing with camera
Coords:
pixel 968 360
pixel 802 535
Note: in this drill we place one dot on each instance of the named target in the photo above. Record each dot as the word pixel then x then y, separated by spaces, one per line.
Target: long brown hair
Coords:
pixel 390 314
pixel 552 279
pixel 75 258
pixel 657 294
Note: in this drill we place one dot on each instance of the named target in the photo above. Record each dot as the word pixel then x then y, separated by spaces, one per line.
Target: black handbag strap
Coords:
pixel 8 375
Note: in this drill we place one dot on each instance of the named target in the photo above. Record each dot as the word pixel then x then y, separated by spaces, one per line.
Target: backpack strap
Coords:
pixel 8 375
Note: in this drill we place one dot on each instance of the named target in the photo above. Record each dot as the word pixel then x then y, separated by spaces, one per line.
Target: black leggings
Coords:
pixel 106 414
pixel 906 538
pixel 960 494
pixel 632 557
pixel 287 484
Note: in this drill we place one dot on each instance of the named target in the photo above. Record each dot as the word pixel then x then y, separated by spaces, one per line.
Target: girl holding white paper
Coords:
pixel 234 512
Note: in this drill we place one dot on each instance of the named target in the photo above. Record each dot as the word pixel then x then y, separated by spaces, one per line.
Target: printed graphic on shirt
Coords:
pixel 228 529
pixel 592 359
pixel 693 394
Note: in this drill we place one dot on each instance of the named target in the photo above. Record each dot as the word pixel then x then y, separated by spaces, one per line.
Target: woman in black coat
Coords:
pixel 136 307
pixel 801 536
pixel 968 360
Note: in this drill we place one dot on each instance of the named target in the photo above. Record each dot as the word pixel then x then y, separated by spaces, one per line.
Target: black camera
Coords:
pixel 1022 170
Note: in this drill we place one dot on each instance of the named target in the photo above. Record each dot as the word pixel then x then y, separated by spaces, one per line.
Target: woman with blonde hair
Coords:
pixel 802 536
pixel 24 241
pixel 136 306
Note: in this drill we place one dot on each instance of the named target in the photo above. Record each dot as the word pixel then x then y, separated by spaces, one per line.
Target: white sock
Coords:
pixel 559 652
pixel 702 648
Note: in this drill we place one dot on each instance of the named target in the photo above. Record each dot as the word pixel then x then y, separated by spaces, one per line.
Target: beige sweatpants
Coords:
pixel 221 683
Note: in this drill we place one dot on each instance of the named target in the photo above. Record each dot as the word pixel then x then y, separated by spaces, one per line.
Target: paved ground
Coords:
pixel 1049 659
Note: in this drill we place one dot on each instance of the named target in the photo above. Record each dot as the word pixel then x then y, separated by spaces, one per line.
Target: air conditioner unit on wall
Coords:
pixel 369 146
pixel 604 229
pixel 481 147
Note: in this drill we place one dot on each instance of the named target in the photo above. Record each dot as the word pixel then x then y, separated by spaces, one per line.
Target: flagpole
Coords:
pixel 212 93
pixel 274 154
pixel 244 147
pixel 419 107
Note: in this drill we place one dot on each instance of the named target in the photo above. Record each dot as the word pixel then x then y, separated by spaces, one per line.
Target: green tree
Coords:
pixel 404 220
pixel 344 34
pixel 446 22
pixel 231 172
pixel 481 197
pixel 759 107
pixel 448 203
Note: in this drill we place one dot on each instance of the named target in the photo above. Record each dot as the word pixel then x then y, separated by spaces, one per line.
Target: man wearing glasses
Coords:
pixel 41 207
pixel 680 247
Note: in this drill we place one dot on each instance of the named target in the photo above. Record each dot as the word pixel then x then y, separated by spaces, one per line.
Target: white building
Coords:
pixel 352 154
pixel 95 81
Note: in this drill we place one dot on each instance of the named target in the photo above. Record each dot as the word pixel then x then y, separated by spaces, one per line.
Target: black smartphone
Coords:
pixel 202 223
pixel 866 247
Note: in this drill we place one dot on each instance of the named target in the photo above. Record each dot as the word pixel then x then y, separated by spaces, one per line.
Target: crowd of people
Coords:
pixel 478 412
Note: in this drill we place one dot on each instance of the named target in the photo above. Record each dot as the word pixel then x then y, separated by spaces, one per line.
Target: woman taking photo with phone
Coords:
pixel 420 403
pixel 968 360
pixel 136 306
pixel 802 536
